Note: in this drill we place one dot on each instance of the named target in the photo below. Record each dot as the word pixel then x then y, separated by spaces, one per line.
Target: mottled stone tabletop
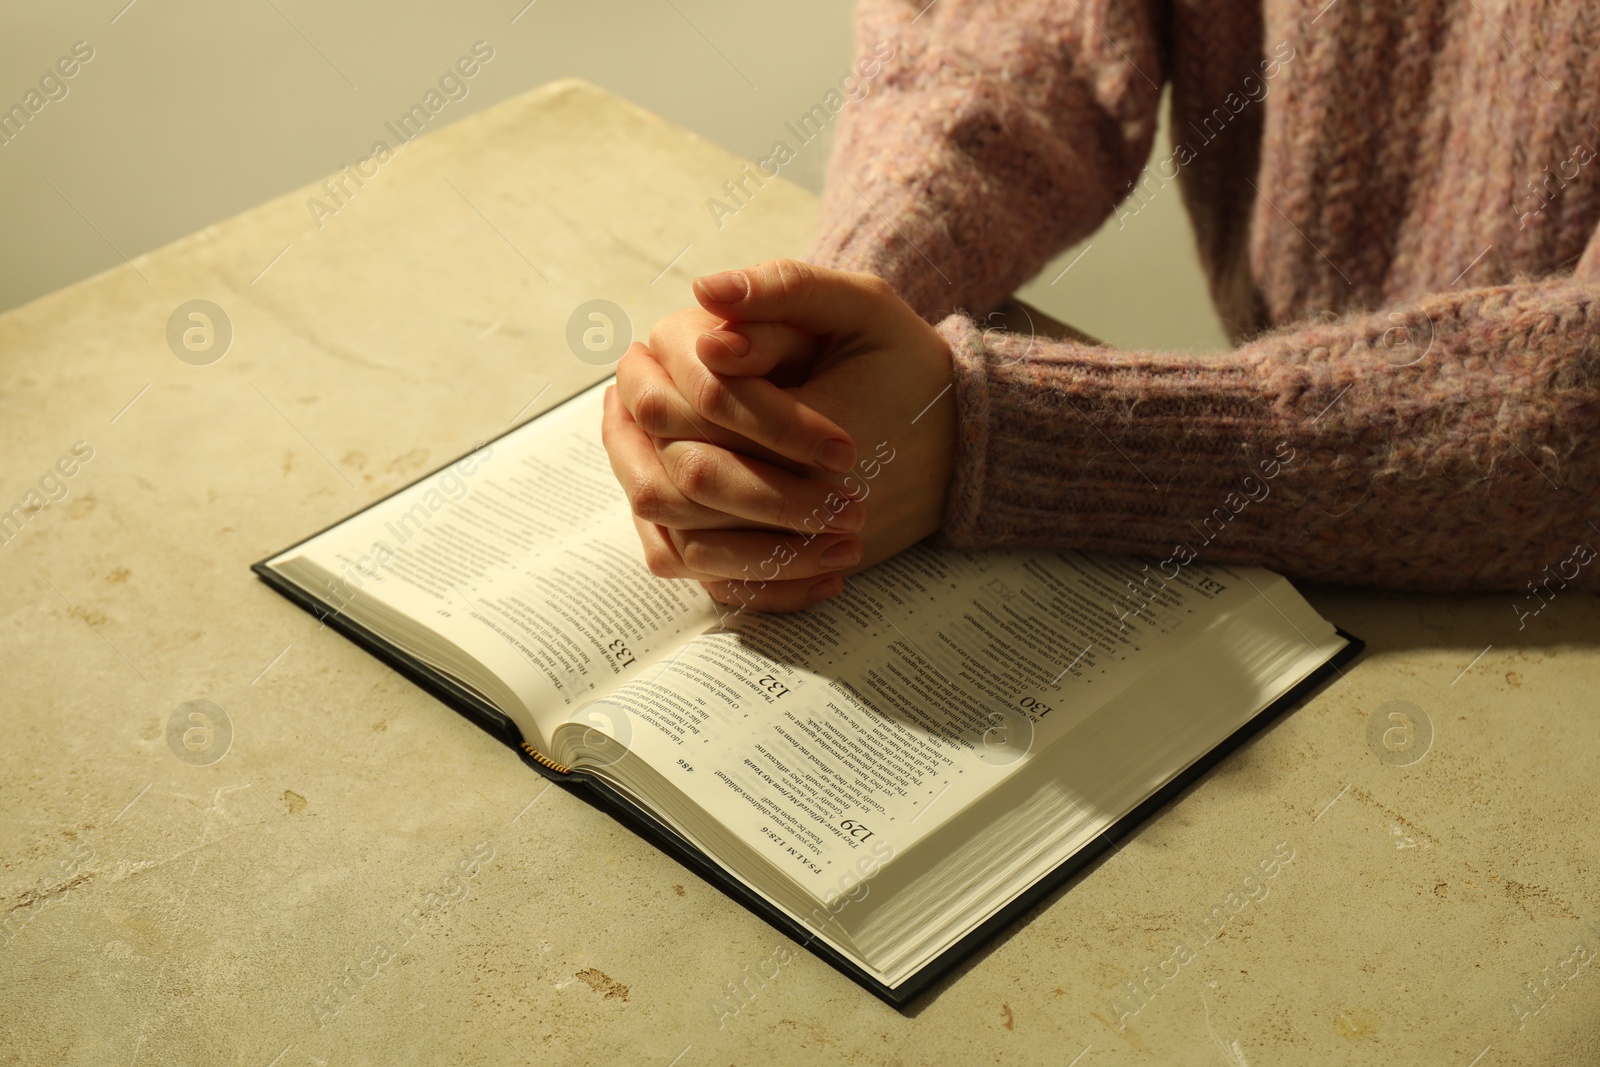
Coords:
pixel 229 836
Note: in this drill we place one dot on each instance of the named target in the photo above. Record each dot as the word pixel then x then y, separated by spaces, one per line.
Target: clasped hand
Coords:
pixel 796 427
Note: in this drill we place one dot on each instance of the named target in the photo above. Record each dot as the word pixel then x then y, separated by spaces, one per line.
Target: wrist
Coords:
pixel 939 422
pixel 968 411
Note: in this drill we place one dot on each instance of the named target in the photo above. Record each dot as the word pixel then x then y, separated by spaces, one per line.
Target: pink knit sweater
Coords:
pixel 1396 207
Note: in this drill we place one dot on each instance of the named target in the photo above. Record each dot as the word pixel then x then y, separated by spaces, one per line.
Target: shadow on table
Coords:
pixel 1393 622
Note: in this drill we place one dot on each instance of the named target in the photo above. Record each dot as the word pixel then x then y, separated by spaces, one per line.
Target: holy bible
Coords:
pixel 892 776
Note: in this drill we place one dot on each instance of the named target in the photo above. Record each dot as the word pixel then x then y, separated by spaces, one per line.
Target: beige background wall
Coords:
pixel 190 112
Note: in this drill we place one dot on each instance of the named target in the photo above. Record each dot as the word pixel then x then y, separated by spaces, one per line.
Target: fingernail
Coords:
pixel 841 554
pixel 826 588
pixel 729 287
pixel 737 344
pixel 834 455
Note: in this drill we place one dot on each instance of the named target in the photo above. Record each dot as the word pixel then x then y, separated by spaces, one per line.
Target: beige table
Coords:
pixel 163 910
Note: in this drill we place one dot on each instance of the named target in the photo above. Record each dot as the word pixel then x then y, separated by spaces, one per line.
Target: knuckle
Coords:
pixel 632 378
pixel 628 364
pixel 791 276
pixel 653 411
pixel 667 336
pixel 875 287
pixel 712 398
pixel 659 559
pixel 694 471
pixel 651 502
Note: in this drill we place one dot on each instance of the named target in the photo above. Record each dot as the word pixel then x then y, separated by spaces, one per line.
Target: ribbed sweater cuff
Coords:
pixel 1067 445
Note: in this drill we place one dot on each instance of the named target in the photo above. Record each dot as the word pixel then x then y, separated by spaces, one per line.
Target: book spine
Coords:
pixel 547 761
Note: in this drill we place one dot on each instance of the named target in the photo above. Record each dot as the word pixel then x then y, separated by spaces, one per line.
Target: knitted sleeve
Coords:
pixel 990 137
pixel 1445 444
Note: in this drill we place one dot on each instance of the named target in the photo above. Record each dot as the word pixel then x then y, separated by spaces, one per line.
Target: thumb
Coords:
pixel 820 300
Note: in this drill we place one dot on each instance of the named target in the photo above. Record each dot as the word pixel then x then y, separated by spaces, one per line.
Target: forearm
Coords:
pixel 1458 454
pixel 990 140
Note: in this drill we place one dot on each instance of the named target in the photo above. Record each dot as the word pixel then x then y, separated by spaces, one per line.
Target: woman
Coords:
pixel 1396 207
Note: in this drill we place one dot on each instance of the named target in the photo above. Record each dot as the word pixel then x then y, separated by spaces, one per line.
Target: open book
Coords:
pixel 891 776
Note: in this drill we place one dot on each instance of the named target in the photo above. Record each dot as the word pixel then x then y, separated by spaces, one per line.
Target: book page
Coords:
pixel 523 556
pixel 857 728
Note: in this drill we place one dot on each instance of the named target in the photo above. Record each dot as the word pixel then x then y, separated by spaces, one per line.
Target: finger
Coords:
pixel 757 350
pixel 762 555
pixel 652 400
pixel 781 596
pixel 660 554
pixel 718 372
pixel 731 484
pixel 747 349
pixel 750 415
pixel 818 299
pixel 637 466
